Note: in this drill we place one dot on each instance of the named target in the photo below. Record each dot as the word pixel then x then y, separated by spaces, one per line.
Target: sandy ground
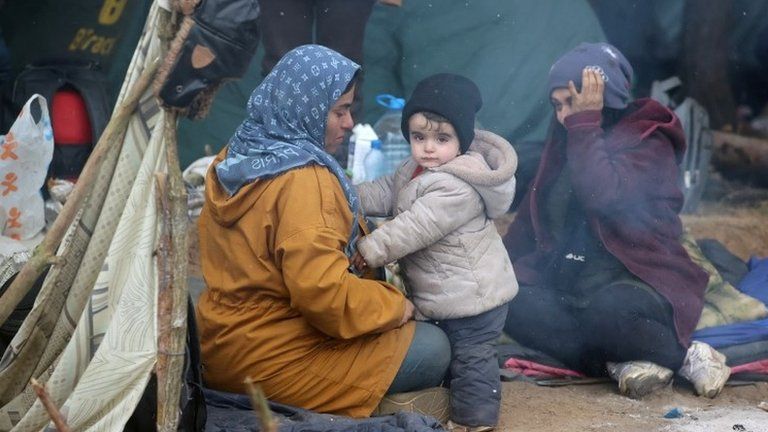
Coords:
pixel 737 218
pixel 598 407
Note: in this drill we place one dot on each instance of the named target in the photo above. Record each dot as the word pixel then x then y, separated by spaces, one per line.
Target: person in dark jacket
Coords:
pixel 605 284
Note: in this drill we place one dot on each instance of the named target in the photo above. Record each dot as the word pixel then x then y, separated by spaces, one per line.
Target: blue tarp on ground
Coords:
pixel 733 334
pixel 755 284
pixel 233 413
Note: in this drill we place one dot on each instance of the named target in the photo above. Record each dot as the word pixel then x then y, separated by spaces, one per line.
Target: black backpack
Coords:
pixel 45 77
pixel 221 42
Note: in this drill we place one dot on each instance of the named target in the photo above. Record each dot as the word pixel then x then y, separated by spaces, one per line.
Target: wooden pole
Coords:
pixel 53 412
pixel 172 298
pixel 45 253
pixel 260 406
pixel 164 302
pixel 173 334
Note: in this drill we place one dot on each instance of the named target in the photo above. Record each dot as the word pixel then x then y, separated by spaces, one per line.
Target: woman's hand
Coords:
pixel 358 262
pixel 592 89
pixel 407 313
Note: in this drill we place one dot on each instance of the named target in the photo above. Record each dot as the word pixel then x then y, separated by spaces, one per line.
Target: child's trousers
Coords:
pixel 474 372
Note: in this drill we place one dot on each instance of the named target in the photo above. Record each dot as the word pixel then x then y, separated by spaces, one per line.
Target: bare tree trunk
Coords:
pixel 705 59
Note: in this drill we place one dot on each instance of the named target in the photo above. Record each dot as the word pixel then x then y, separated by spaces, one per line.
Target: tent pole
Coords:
pixel 172 300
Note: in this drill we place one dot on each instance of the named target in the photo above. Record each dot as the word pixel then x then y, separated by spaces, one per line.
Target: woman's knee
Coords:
pixel 426 362
pixel 432 345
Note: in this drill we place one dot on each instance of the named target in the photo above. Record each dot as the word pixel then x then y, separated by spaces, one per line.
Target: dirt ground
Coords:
pixel 736 216
pixel 598 407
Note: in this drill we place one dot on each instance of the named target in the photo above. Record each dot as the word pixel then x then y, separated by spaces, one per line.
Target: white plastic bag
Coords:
pixel 25 153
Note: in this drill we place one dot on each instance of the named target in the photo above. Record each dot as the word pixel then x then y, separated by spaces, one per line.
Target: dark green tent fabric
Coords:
pixel 106 31
pixel 506 47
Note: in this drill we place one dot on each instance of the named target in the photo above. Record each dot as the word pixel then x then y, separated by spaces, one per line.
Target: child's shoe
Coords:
pixel 705 368
pixel 455 427
pixel 432 402
pixel 639 378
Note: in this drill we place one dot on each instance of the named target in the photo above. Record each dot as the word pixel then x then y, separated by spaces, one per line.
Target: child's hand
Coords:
pixel 408 312
pixel 358 262
pixel 592 89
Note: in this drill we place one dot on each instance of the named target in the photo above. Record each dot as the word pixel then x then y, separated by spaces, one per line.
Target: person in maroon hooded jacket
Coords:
pixel 605 284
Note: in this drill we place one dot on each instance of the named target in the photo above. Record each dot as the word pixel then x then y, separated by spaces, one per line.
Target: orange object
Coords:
pixel 8 147
pixel 9 183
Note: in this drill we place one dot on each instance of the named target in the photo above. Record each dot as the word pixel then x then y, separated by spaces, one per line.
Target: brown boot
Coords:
pixel 433 402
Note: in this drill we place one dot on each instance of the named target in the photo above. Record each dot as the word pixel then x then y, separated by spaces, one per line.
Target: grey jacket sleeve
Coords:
pixel 376 196
pixel 443 206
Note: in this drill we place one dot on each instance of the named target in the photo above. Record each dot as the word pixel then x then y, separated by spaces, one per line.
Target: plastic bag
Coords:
pixel 25 153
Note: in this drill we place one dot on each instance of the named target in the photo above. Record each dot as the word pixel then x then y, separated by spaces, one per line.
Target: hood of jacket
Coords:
pixel 226 209
pixel 489 166
pixel 647 116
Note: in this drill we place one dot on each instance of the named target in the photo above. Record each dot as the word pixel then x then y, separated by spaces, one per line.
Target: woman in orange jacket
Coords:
pixel 279 224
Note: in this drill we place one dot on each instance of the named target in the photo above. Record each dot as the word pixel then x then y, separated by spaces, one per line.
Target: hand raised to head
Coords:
pixel 592 88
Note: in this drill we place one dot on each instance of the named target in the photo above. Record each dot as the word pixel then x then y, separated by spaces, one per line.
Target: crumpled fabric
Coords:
pixel 233 413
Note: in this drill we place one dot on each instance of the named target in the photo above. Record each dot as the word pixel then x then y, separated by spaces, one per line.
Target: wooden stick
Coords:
pixel 260 406
pixel 44 252
pixel 166 408
pixel 175 303
pixel 164 304
pixel 53 412
pixel 173 332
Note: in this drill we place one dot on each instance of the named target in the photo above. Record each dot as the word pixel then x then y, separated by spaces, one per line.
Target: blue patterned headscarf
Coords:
pixel 285 127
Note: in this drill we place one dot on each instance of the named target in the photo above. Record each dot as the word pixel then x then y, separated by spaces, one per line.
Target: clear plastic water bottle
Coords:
pixel 374 162
pixel 363 135
pixel 394 145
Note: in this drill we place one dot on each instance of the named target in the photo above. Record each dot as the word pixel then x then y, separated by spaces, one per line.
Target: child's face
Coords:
pixel 432 143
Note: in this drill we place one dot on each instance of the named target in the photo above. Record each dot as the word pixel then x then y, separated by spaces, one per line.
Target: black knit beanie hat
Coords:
pixel 452 96
pixel 606 59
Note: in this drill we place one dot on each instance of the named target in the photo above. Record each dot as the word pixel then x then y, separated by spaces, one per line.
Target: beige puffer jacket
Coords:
pixel 453 260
